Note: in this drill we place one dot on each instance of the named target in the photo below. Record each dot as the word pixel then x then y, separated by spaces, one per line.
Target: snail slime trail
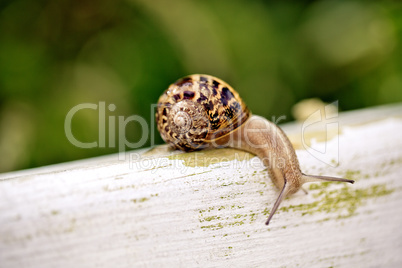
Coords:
pixel 201 111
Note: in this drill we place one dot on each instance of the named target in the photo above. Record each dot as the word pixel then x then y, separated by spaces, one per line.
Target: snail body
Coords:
pixel 202 111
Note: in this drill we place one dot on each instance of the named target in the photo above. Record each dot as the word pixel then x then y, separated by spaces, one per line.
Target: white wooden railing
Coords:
pixel 160 208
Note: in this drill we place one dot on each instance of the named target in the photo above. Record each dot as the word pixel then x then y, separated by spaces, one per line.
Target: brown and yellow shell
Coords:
pixel 198 109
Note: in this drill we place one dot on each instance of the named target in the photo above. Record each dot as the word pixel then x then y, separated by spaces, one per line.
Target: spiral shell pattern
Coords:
pixel 198 109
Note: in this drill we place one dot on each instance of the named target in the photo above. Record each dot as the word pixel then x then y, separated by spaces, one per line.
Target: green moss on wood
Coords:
pixel 139 200
pixel 345 200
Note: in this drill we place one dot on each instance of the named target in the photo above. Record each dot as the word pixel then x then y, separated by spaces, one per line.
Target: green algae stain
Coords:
pixel 54 212
pixel 236 223
pixel 213 226
pixel 142 199
pixel 352 174
pixel 108 188
pixel 211 218
pixel 219 221
pixel 320 186
pixel 345 200
pixel 206 158
pixel 139 200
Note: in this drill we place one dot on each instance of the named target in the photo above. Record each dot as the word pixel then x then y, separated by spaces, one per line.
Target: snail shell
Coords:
pixel 201 111
pixel 197 110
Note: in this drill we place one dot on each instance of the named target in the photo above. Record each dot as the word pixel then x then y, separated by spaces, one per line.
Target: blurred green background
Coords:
pixel 55 55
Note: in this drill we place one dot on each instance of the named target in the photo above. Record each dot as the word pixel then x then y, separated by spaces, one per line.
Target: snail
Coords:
pixel 201 111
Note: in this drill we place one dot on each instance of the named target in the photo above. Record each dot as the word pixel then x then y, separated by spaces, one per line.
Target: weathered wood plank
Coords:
pixel 208 208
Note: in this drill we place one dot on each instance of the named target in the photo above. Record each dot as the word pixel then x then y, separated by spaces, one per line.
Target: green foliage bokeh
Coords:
pixel 55 55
